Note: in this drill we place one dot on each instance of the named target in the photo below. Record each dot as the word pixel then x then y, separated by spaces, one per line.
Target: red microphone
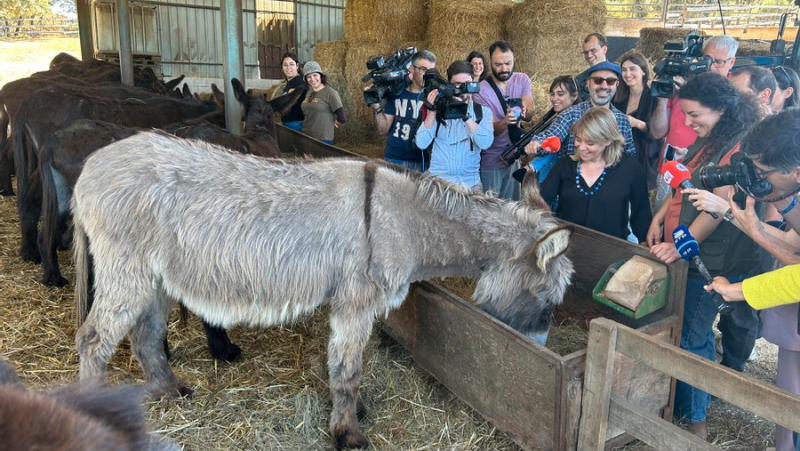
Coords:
pixel 678 175
pixel 551 144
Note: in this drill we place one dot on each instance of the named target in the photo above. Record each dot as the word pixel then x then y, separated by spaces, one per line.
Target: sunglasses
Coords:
pixel 611 81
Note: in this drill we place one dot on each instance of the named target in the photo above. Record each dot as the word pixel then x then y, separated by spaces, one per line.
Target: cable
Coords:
pixel 721 17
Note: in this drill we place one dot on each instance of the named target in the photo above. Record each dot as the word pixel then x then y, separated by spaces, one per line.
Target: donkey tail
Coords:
pixel 83 266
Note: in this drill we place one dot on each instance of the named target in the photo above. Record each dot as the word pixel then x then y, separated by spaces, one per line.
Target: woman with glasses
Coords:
pixel 788 93
pixel 478 63
pixel 322 108
pixel 293 78
pixel 634 99
pixel 720 116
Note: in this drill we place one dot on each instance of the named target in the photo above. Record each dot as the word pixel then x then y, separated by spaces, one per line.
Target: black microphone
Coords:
pixel 690 251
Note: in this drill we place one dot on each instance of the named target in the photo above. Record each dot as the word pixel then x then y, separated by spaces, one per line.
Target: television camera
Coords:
pixel 684 57
pixel 447 104
pixel 389 75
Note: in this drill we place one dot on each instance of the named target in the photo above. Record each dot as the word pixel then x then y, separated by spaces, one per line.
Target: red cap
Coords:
pixel 551 144
pixel 675 173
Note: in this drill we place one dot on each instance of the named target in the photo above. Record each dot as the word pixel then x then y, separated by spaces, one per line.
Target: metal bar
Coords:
pixel 125 52
pixel 233 57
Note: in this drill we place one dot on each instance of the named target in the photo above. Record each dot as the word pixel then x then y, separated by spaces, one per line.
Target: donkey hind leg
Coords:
pixel 350 330
pixel 110 318
pixel 147 342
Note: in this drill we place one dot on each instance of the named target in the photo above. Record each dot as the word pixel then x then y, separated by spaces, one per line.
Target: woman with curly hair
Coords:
pixel 720 116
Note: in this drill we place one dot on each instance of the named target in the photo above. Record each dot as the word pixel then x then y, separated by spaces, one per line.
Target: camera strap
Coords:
pixel 514 132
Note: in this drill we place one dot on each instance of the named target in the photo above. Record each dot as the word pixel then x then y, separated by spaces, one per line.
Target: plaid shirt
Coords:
pixel 562 123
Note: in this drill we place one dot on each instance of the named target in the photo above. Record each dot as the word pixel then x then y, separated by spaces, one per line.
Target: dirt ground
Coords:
pixel 417 394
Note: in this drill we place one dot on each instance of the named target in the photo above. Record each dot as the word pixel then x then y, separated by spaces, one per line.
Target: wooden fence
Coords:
pixel 600 409
pixel 693 15
pixel 37 26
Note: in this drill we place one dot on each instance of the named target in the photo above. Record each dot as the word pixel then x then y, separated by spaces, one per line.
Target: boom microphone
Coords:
pixel 677 175
pixel 690 251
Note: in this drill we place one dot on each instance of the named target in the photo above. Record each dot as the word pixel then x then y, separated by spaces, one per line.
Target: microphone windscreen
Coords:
pixel 685 243
pixel 675 173
pixel 551 144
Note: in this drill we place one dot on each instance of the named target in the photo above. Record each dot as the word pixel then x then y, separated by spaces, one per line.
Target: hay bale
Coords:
pixel 651 41
pixel 355 129
pixel 331 55
pixel 548 35
pixel 392 21
pixel 456 28
pixel 752 47
pixel 541 99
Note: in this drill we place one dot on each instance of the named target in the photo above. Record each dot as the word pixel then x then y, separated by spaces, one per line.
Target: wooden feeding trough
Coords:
pixel 526 390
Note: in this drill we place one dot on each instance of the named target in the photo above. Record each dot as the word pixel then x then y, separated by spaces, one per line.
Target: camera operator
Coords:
pixel 603 80
pixel 720 116
pixel 457 142
pixel 399 116
pixel 772 146
pixel 497 90
pixel 668 121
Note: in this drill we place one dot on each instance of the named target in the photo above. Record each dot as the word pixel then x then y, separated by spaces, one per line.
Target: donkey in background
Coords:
pixel 261 242
pixel 73 418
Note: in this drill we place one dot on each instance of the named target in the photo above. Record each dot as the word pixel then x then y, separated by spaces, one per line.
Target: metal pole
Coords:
pixel 233 61
pixel 85 29
pixel 665 11
pixel 125 52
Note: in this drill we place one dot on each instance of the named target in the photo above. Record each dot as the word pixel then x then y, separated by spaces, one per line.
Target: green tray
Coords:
pixel 654 299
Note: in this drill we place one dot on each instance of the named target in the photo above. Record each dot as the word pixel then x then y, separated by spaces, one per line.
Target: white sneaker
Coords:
pixel 753 354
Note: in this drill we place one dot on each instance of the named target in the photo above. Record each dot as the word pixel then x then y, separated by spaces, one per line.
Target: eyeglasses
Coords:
pixel 421 69
pixel 292 64
pixel 611 81
pixel 720 63
pixel 760 173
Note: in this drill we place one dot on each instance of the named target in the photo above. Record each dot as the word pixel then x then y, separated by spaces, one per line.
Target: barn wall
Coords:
pixel 185 35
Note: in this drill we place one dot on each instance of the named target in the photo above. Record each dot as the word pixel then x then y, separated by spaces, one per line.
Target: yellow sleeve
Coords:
pixel 774 288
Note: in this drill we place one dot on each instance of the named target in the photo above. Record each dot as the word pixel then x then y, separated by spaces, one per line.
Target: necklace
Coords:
pixel 596 186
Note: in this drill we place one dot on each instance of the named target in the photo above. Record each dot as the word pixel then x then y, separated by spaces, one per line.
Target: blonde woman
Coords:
pixel 598 187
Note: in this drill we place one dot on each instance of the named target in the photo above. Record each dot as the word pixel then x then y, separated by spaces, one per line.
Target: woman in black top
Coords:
pixel 634 99
pixel 597 186
pixel 293 76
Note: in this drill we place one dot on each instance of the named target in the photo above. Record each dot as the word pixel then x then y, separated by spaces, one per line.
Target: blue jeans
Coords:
pixel 697 337
pixel 413 165
pixel 295 125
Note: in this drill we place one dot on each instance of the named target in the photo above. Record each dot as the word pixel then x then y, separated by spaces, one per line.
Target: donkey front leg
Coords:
pixel 350 330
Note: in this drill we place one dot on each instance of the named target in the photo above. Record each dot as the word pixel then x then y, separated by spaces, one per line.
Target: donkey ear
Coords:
pixel 531 196
pixel 552 244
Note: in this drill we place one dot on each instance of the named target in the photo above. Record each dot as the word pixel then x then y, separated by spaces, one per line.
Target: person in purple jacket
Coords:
pixel 501 88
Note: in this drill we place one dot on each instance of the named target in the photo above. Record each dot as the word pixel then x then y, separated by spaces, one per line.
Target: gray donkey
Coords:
pixel 240 239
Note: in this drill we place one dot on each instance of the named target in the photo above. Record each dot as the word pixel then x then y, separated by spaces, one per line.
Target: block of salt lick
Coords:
pixel 628 286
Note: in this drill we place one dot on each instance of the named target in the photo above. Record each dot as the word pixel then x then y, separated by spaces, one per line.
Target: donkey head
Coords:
pixel 523 288
pixel 259 112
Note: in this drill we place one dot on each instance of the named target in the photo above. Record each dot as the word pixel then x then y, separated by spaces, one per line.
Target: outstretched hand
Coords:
pixel 730 292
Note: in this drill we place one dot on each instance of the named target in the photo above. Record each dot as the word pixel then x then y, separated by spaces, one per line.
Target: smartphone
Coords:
pixel 515 105
pixel 669 155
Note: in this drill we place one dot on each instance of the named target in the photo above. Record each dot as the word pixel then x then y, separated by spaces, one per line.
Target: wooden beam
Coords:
pixel 597 384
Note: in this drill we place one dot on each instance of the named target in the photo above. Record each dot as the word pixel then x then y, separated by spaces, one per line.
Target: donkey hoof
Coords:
pixel 54 280
pixel 229 354
pixel 352 439
pixel 171 392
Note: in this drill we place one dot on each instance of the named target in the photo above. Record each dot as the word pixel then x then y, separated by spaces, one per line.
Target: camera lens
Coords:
pixel 716 176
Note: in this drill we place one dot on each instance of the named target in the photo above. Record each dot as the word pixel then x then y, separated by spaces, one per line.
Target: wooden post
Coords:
pixel 597 390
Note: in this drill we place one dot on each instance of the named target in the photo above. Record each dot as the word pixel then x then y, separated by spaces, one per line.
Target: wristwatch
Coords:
pixel 728 216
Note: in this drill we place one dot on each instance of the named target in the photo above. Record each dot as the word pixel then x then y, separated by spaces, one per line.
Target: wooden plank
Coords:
pixel 765 400
pixel 500 373
pixel 596 389
pixel 653 430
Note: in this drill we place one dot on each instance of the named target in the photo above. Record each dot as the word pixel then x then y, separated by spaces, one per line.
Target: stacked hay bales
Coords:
pixel 548 35
pixel 331 55
pixel 651 42
pixel 382 20
pixel 457 28
pixel 752 47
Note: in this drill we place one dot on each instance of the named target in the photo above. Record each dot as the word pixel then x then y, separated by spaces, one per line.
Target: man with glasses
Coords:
pixel 398 117
pixel 497 90
pixel 668 120
pixel 602 82
pixel 595 47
